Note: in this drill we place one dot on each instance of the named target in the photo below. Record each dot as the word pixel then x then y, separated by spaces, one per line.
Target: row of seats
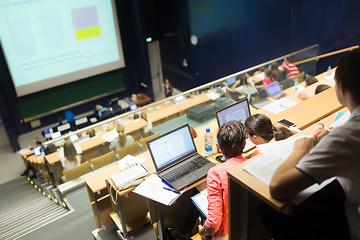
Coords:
pixel 103 160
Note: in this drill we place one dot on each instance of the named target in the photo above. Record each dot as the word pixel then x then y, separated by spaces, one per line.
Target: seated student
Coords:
pixel 71 158
pixel 149 126
pixel 243 86
pixel 336 155
pixel 136 116
pixel 122 141
pixel 269 78
pixel 320 88
pixel 309 80
pixel 50 148
pixel 274 67
pixel 260 130
pixel 91 133
pixel 290 69
pixel 231 139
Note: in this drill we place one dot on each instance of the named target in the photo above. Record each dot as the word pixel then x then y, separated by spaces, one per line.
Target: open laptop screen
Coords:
pixel 231 81
pixel 238 111
pixel 273 88
pixel 171 147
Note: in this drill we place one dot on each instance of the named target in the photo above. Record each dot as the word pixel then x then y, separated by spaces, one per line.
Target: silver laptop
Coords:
pixel 238 111
pixel 176 159
pixel 275 91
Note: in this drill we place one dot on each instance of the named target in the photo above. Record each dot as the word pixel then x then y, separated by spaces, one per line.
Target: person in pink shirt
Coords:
pixel 290 68
pixel 269 79
pixel 231 139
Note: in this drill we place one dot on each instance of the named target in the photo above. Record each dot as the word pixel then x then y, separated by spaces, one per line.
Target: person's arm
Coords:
pixel 233 88
pixel 287 180
pixel 302 96
pixel 215 203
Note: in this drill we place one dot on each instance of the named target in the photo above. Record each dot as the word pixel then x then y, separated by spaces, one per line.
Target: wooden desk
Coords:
pixel 168 110
pixel 53 159
pixel 309 91
pixel 242 185
pixel 311 110
pixel 99 195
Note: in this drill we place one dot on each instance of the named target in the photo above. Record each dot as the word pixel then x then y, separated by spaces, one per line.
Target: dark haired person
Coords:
pixel 274 67
pixel 336 155
pixel 290 69
pixel 309 80
pixel 243 86
pixel 50 148
pixel 261 130
pixel 269 79
pixel 231 139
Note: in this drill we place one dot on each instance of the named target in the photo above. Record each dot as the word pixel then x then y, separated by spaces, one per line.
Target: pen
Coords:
pixel 316 142
pixel 172 190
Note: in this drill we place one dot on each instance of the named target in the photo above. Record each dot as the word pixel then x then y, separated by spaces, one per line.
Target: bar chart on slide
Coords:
pixel 86 22
pixel 52 42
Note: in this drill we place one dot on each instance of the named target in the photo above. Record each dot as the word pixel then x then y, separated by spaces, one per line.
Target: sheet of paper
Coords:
pixel 78 148
pixel 274 154
pixel 153 188
pixel 61 152
pixel 111 135
pixel 260 76
pixel 128 175
pixel 23 151
pixel 341 120
pixel 279 105
pixel 213 96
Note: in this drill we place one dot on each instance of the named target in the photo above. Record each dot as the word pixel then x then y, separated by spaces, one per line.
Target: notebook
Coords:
pixel 238 111
pixel 275 91
pixel 175 153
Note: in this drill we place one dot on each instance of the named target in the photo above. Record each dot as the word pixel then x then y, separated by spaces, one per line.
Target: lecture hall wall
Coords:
pixel 234 35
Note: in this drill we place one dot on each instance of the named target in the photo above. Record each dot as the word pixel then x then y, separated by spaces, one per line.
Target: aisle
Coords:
pixel 25 209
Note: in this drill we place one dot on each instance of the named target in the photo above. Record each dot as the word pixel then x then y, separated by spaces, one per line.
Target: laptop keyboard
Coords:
pixel 184 169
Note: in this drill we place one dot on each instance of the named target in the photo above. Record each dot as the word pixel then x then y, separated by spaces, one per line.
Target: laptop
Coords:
pixel 275 91
pixel 38 150
pixel 231 81
pixel 176 159
pixel 238 111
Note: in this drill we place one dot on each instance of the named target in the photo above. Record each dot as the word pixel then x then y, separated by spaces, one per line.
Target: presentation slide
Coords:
pixel 48 43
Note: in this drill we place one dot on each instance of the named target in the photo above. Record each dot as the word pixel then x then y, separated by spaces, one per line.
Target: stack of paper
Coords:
pixel 128 175
pixel 274 154
pixel 111 135
pixel 279 105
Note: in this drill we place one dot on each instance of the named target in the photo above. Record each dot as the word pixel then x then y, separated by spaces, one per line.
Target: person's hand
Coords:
pixel 302 96
pixel 303 145
pixel 320 133
pixel 203 233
